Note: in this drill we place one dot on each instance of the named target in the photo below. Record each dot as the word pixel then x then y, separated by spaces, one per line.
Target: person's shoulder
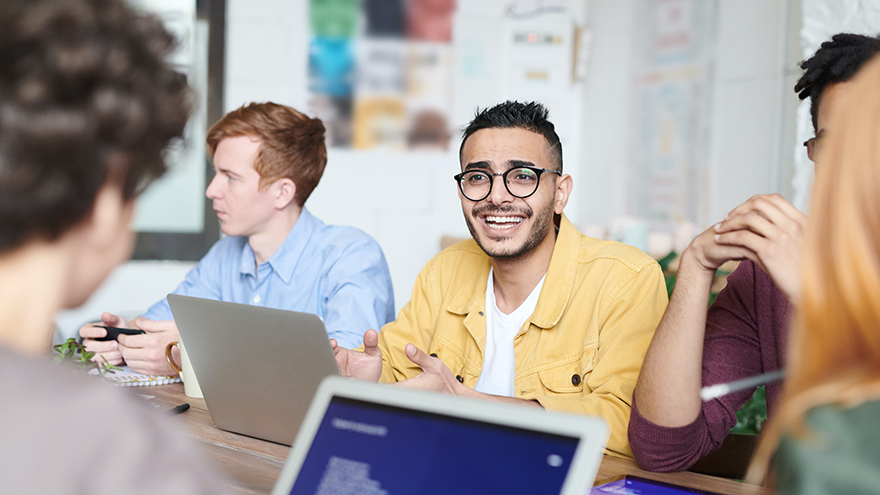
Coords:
pixel 61 391
pixel 344 236
pixel 57 408
pixel 840 422
pixel 338 237
pixel 594 250
pixel 749 277
pixel 837 442
pixel 44 379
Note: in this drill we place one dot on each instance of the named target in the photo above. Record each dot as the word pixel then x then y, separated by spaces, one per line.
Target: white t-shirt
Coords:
pixel 498 364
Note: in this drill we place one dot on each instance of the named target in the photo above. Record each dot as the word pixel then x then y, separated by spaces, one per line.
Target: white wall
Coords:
pixel 752 134
pixel 408 201
pixel 753 109
pixel 129 290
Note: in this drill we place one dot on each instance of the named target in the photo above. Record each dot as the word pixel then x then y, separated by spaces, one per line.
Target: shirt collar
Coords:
pixel 286 257
pixel 558 281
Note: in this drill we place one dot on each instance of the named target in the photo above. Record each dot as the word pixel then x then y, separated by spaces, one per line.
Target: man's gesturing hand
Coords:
pixel 366 365
pixel 435 376
pixel 772 232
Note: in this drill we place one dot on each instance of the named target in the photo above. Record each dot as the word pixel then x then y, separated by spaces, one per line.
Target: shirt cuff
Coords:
pixel 664 448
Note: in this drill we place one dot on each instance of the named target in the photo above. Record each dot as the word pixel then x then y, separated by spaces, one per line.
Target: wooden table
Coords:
pixel 254 465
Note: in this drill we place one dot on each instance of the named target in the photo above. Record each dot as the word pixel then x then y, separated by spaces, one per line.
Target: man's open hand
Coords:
pixel 366 365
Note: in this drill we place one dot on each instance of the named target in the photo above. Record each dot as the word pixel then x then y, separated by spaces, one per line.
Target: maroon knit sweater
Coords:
pixel 746 335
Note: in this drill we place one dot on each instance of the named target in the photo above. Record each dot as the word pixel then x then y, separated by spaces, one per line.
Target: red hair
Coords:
pixel 291 144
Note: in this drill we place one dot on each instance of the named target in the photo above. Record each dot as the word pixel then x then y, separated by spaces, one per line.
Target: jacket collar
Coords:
pixel 286 257
pixel 557 284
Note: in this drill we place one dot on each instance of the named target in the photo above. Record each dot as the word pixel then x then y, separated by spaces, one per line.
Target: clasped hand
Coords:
pixel 143 353
pixel 766 229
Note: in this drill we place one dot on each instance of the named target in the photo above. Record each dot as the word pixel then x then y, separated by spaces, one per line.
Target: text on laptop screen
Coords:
pixel 373 449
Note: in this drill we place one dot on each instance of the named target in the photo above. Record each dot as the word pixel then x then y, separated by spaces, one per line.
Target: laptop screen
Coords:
pixel 368 448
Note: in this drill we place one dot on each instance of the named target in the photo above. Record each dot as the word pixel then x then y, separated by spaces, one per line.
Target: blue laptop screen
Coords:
pixel 368 448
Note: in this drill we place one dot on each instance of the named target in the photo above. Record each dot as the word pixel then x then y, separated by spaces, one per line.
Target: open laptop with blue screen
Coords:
pixel 367 438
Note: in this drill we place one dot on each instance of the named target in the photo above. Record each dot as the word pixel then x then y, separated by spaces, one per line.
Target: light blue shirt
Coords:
pixel 338 273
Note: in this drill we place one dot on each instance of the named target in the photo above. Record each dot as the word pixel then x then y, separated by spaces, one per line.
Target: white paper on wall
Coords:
pixel 521 51
pixel 671 111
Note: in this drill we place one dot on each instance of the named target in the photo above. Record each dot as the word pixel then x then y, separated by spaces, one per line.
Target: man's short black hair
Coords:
pixel 530 116
pixel 86 97
pixel 835 61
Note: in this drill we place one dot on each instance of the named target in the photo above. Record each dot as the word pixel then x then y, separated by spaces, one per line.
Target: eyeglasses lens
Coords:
pixel 520 182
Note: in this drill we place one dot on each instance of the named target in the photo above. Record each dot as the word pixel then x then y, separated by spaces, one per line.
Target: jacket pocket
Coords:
pixel 570 375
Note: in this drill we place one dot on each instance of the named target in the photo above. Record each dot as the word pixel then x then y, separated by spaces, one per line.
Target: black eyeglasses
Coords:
pixel 812 145
pixel 520 182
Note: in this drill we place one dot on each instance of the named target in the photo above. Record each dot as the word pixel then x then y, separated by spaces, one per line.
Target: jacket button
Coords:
pixel 481 313
pixel 459 378
pixel 575 380
pixel 433 354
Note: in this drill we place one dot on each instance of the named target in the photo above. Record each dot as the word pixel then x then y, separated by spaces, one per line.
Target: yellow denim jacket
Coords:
pixel 581 350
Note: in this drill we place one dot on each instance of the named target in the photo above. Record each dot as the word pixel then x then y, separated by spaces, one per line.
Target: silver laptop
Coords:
pixel 257 367
pixel 375 439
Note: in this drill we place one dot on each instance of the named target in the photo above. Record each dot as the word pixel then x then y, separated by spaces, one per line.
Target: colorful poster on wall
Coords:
pixel 671 111
pixel 379 72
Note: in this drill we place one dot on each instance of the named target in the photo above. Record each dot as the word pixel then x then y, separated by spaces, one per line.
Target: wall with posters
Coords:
pixel 394 178
pixel 407 198
pixel 741 139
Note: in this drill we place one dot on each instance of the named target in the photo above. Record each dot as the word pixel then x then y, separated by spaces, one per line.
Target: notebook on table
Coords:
pixel 258 368
pixel 124 376
pixel 367 438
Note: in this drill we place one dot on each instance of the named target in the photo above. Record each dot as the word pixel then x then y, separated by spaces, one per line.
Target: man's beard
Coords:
pixel 537 234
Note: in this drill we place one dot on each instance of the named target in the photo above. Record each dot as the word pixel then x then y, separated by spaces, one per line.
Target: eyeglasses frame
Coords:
pixel 503 175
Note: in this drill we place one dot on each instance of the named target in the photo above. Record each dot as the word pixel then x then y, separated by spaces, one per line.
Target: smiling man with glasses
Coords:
pixel 530 311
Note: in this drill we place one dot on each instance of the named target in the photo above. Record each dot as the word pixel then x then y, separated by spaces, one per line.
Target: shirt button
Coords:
pixel 257 298
pixel 575 380
pixel 459 378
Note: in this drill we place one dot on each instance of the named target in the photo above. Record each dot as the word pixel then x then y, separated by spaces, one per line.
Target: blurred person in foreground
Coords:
pixel 87 106
pixel 826 432
pixel 530 311
pixel 268 160
pixel 745 331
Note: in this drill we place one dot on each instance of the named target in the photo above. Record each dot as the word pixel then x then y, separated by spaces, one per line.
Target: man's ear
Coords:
pixel 285 192
pixel 564 185
pixel 110 217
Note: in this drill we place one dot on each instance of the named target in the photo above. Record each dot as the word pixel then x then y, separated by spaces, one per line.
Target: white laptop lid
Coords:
pixel 257 367
pixel 366 438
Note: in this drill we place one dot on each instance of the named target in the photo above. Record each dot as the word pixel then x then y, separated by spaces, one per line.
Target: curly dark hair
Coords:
pixel 531 116
pixel 86 97
pixel 835 61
